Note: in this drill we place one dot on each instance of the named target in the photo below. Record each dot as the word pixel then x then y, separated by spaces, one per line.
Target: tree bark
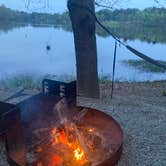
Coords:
pixel 83 25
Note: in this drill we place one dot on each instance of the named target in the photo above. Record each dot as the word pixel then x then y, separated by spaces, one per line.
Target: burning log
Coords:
pixel 73 137
pixel 72 142
pixel 79 137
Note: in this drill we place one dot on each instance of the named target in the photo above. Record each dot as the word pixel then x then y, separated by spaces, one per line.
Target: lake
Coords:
pixel 23 51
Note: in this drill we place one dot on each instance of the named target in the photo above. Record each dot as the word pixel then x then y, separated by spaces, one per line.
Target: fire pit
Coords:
pixel 66 135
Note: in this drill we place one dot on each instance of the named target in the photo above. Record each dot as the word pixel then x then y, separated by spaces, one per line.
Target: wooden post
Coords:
pixel 83 25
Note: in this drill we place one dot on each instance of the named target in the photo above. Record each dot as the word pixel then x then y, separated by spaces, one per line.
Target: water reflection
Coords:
pixel 24 50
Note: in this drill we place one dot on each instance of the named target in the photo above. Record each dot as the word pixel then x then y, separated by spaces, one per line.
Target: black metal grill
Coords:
pixel 29 115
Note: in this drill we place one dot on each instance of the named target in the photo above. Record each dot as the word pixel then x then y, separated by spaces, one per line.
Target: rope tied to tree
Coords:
pixel 114 67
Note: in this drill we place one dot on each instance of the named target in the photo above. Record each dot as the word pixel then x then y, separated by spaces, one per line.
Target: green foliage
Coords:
pixel 129 24
pixel 10 19
pixel 30 81
pixel 104 79
pixel 146 25
pixel 144 66
pixel 26 81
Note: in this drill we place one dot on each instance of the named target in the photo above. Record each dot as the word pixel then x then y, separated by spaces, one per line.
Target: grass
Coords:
pixel 28 81
pixel 144 66
pixel 33 82
pixel 104 79
pixel 25 81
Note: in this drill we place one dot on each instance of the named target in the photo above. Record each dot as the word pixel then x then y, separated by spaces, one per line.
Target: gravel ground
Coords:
pixel 140 108
pixel 141 111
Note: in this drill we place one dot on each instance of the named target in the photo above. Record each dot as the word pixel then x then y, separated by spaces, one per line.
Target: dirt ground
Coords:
pixel 140 108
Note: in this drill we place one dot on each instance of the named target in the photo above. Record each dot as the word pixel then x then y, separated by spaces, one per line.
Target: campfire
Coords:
pixel 71 144
pixel 59 133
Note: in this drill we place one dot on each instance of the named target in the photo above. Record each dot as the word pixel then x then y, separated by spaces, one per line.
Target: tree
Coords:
pixel 83 25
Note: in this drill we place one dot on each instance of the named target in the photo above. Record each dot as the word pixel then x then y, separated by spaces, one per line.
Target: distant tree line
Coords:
pixel 147 25
pixel 9 16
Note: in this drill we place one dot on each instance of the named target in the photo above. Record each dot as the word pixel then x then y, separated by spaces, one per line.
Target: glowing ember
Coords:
pixel 56 160
pixel 78 154
pixel 91 130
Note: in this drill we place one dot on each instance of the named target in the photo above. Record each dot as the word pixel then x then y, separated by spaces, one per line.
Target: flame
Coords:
pixel 59 137
pixel 91 130
pixel 78 154
pixel 62 138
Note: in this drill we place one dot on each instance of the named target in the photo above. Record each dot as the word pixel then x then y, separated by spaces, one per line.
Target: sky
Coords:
pixel 59 6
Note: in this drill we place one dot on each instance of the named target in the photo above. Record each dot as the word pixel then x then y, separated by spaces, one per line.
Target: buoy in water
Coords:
pixel 48 47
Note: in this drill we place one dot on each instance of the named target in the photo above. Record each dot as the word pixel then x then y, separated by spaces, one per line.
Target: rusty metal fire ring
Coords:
pixel 110 129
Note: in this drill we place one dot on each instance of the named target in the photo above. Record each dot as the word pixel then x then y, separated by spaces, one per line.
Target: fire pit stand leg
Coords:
pixel 11 129
pixel 15 145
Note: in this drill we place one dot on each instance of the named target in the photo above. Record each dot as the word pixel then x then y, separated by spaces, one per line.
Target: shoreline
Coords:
pixel 31 82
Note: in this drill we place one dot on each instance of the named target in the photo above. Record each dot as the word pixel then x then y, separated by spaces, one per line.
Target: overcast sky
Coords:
pixel 55 6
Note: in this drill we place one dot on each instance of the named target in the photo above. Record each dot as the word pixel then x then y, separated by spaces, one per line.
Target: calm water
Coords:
pixel 23 51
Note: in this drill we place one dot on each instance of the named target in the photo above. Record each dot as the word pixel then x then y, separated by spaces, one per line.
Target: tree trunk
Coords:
pixel 83 25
